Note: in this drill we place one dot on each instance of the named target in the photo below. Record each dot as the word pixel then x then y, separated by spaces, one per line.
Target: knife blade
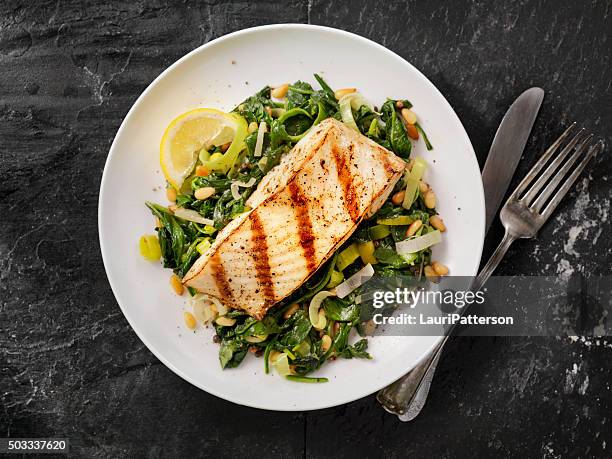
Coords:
pixel 507 149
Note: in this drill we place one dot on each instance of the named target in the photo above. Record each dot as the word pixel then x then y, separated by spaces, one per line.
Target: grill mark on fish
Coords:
pixel 305 230
pixel 286 266
pixel 351 201
pixel 220 277
pixel 260 257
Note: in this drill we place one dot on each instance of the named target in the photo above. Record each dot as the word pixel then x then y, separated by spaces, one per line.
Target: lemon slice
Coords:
pixel 188 133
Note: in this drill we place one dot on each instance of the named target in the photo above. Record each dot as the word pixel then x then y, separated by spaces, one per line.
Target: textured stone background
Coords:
pixel 70 364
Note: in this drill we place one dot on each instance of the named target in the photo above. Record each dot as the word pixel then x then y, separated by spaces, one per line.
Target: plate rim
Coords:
pixel 112 153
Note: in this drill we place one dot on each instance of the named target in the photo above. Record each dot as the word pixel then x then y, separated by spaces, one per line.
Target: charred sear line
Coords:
pixel 343 168
pixel 304 225
pixel 261 259
pixel 220 277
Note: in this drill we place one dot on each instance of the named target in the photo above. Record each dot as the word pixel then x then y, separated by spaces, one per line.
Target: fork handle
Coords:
pixel 406 397
pixel 496 258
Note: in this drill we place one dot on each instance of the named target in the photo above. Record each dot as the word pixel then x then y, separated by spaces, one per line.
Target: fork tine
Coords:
pixel 537 167
pixel 554 202
pixel 552 167
pixel 560 175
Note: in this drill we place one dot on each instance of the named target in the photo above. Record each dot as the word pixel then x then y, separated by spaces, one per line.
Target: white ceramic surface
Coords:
pixel 220 74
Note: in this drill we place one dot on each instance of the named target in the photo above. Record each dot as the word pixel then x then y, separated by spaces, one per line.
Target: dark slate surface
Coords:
pixel 70 364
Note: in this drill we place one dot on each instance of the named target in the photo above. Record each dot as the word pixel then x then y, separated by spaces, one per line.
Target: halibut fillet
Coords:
pixel 302 211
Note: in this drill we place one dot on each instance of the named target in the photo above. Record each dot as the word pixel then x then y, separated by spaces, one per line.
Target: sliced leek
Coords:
pixel 416 244
pixel 347 257
pixel 412 181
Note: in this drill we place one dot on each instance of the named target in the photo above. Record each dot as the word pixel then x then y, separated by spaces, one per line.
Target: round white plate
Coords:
pixel 221 74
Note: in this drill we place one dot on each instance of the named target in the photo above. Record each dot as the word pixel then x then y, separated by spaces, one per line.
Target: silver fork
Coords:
pixel 539 193
pixel 525 212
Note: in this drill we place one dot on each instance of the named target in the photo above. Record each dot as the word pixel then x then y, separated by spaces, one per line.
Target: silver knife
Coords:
pixel 407 396
pixel 507 149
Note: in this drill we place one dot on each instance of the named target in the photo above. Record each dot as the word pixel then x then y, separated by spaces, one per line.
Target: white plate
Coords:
pixel 221 74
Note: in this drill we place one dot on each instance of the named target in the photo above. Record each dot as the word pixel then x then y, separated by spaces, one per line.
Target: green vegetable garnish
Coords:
pixel 379 232
pixel 291 344
pixel 395 221
pixel 347 257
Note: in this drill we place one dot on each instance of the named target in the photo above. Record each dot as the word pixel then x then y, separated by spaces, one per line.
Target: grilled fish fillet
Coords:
pixel 303 210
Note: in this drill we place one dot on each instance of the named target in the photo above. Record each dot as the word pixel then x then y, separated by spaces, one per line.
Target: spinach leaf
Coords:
pixel 218 181
pixel 298 95
pixel 253 108
pixel 390 257
pixel 189 257
pixel 398 136
pixel 341 339
pixel 329 91
pixel 232 353
pixel 357 350
pixel 298 328
pixel 252 326
pixel 297 125
pixel 222 211
pixel 278 134
pixel 364 118
pixel 171 236
pixel 395 131
pixel 340 310
pixel 316 283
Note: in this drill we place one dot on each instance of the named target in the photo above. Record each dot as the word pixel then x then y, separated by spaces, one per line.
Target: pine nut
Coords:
pixel 274 355
pixel 413 228
pixel 177 285
pixel 253 126
pixel 409 116
pixel 291 310
pixel 440 268
pixel 398 197
pixel 437 223
pixel 326 343
pixel 268 111
pixel 171 194
pixel 430 199
pixel 204 193
pixel 343 92
pixel 190 320
pixel 413 133
pixel 225 321
pixel 399 104
pixel 280 91
pixel 157 223
pixel 423 187
pixel 201 171
pixel 430 273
